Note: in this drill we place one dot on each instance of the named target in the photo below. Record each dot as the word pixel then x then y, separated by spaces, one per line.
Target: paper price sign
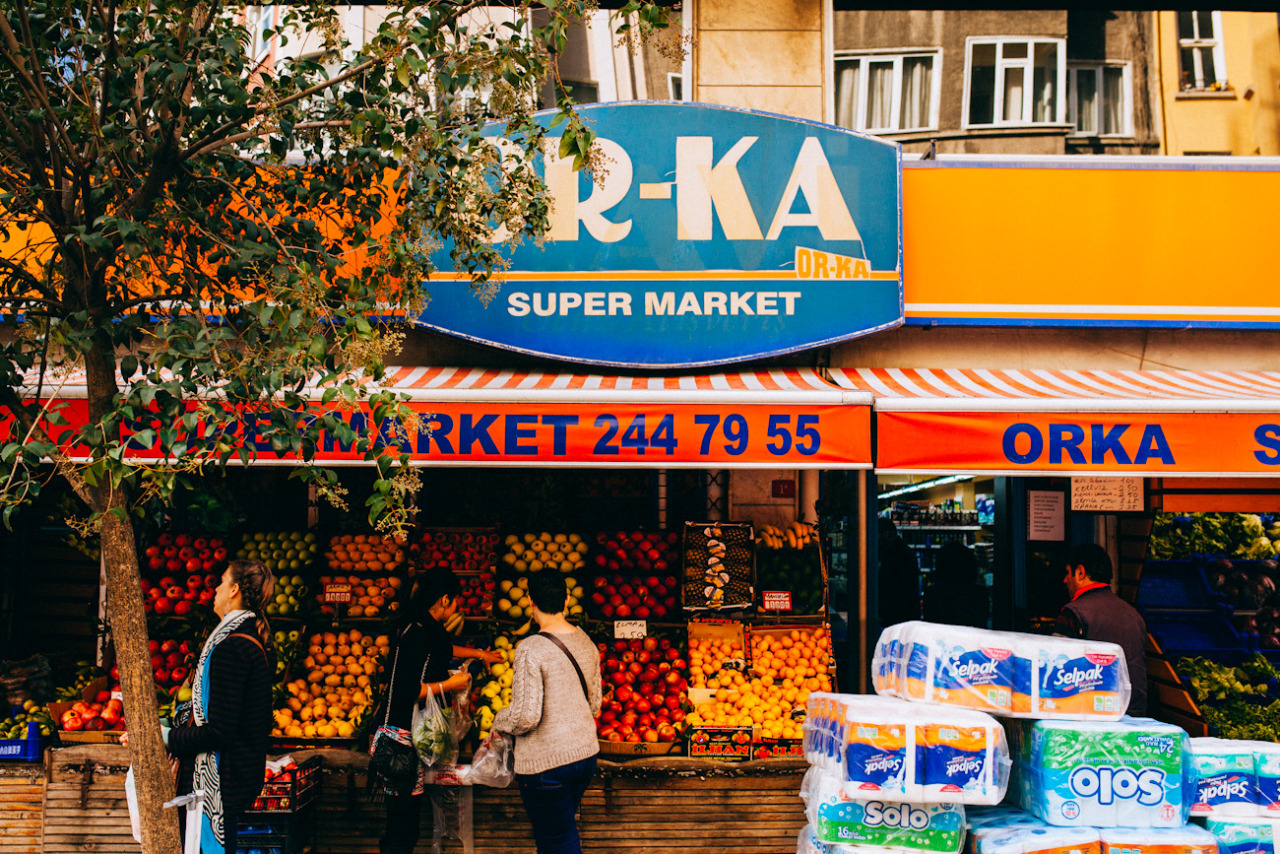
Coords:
pixel 625 629
pixel 337 594
pixel 776 600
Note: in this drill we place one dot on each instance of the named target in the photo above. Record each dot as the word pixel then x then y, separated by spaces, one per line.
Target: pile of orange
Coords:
pixel 370 597
pixel 366 553
pixel 342 672
pixel 786 667
pixel 707 657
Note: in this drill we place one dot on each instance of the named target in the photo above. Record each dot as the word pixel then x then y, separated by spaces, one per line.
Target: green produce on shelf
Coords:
pixel 1242 535
pixel 16 725
pixel 1225 695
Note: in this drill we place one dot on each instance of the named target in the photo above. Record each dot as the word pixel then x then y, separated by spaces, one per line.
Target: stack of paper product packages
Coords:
pixel 1004 743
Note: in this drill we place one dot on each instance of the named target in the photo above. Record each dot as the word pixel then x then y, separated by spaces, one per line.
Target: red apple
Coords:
pixel 71 721
pixel 194 582
pixel 164 605
pixel 175 592
pixel 182 608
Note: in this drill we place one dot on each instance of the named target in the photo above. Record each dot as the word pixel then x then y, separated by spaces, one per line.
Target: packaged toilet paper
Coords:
pixel 1191 839
pixel 1004 673
pixel 1043 839
pixel 1266 767
pixel 1002 816
pixel 1242 835
pixel 809 843
pixel 1127 773
pixel 905 752
pixel 1076 679
pixel 1223 777
pixel 885 824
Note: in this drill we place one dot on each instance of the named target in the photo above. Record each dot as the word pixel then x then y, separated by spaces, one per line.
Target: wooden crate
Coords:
pixel 84 804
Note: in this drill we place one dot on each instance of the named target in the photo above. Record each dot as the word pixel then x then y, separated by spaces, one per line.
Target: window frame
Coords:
pixel 898 56
pixel 1196 45
pixel 259 19
pixel 1096 67
pixel 1060 111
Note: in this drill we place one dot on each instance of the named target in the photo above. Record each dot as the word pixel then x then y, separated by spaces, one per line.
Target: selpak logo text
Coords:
pixel 1077 676
pixel 1223 789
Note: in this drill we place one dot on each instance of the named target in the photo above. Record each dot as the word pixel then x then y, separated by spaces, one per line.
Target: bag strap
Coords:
pixel 386 719
pixel 582 680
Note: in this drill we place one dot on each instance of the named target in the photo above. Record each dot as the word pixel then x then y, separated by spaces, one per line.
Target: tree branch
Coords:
pixel 213 136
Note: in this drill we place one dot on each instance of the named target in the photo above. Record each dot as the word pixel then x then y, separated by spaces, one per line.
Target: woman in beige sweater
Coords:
pixel 555 697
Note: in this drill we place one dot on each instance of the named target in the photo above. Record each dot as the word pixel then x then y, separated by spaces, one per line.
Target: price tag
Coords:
pixel 630 628
pixel 776 600
pixel 337 594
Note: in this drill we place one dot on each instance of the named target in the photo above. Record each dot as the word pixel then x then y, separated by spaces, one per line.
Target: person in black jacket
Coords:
pixel 899 599
pixel 956 595
pixel 230 722
pixel 420 664
pixel 1095 612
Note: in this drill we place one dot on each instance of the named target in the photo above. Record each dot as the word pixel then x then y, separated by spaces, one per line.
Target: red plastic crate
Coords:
pixel 292 791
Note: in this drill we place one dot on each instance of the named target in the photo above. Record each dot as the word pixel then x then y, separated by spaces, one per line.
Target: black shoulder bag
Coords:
pixel 393 758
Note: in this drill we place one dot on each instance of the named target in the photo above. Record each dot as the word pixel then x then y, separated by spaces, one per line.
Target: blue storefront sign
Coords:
pixel 718 235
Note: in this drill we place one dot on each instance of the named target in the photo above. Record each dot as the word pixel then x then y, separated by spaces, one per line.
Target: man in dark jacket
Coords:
pixel 1094 612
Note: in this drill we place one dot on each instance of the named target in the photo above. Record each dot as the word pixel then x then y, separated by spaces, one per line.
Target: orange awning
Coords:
pixel 1135 423
pixel 785 418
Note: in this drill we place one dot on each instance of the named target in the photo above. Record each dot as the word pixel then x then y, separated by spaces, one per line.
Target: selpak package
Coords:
pixel 1127 773
pixel 919 754
pixel 837 819
pixel 1266 767
pixel 1003 673
pixel 1223 777
pixel 1191 839
pixel 1237 835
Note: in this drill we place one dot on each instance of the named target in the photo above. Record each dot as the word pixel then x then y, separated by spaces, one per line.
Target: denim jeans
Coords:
pixel 551 798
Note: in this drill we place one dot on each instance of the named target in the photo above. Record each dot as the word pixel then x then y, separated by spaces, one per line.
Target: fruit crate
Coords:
pixel 728 744
pixel 718 567
pixel 29 749
pixel 283 796
pixel 461 550
pixel 1177 584
pixel 627 749
pixel 370 596
pixel 782 571
pixel 777 748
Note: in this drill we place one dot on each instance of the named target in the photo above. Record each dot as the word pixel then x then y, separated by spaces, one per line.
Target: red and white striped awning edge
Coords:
pixel 781 386
pixel 1041 390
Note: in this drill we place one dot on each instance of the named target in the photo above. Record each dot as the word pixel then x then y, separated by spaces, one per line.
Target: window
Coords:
pixel 1015 82
pixel 1201 65
pixel 675 87
pixel 887 92
pixel 1100 99
pixel 259 20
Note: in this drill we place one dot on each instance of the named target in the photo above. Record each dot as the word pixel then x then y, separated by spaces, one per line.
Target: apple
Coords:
pixel 162 676
pixel 165 539
pixel 175 592
pixel 71 721
pixel 194 582
pixel 178 675
pixel 206 597
pixel 164 605
pixel 212 581
pixel 171 661
pixel 193 564
pixel 110 716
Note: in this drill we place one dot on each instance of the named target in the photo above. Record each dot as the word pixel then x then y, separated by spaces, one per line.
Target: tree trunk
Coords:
pixel 129 633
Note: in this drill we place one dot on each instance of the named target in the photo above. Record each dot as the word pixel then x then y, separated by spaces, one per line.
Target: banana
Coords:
pixel 455 624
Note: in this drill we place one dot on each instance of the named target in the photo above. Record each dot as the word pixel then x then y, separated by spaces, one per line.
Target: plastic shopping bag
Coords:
pixel 131 798
pixel 493 763
pixel 432 732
